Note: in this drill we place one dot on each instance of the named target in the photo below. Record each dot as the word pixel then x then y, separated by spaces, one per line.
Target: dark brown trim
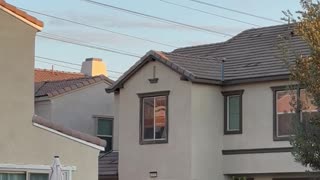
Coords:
pixel 289 174
pixel 256 151
pixel 153 80
pixel 275 89
pixel 256 79
pixel 153 94
pixel 226 94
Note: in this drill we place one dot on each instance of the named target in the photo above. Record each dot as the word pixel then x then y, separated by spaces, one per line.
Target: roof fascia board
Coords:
pixel 256 79
pixel 39 28
pixel 69 137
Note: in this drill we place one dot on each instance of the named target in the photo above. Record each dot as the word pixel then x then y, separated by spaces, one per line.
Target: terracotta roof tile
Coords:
pixel 54 88
pixel 50 75
pixel 68 131
pixel 21 13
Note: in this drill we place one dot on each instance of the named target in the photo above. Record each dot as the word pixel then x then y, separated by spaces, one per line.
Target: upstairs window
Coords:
pixel 233 112
pixel 285 110
pixel 105 131
pixel 154 117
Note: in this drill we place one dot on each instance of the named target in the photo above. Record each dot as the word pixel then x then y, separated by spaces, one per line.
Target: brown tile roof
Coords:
pixel 54 88
pixel 108 164
pixel 251 56
pixel 21 13
pixel 68 131
pixel 53 75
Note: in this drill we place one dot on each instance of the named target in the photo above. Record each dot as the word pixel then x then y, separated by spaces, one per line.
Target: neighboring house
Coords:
pixel 28 142
pixel 79 101
pixel 215 111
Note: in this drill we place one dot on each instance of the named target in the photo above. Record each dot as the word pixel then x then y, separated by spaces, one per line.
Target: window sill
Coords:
pixel 154 142
pixel 232 132
pixel 281 138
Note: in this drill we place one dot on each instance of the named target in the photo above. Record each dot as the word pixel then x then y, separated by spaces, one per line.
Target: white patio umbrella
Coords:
pixel 56 171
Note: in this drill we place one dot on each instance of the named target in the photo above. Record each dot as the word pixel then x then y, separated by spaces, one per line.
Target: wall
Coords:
pixel 257 101
pixel 20 141
pixel 172 161
pixel 76 109
pixel 43 108
pixel 257 133
pixel 207 132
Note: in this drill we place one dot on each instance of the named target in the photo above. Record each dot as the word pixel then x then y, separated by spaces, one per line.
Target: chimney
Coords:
pixel 94 67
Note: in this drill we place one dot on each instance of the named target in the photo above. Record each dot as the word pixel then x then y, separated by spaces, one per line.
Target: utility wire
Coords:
pixel 209 13
pixel 57 65
pixel 156 18
pixel 236 11
pixel 66 67
pixel 99 28
pixel 85 44
pixel 74 64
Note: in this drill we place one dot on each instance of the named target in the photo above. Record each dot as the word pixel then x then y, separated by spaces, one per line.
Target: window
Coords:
pixel 23 176
pixel 154 117
pixel 12 176
pixel 233 112
pixel 39 176
pixel 285 106
pixel 105 131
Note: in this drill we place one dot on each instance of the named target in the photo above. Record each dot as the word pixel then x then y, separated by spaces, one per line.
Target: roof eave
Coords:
pixel 257 79
pixel 39 28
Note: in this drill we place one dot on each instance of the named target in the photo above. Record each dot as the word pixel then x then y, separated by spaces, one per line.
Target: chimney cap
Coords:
pixel 93 59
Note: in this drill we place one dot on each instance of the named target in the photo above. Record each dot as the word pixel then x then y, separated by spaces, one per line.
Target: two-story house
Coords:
pixel 28 142
pixel 214 111
pixel 77 100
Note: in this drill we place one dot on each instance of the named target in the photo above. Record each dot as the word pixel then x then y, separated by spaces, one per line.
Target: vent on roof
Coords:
pixel 252 64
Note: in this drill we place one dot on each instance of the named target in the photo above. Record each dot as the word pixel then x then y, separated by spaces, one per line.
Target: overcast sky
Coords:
pixel 110 19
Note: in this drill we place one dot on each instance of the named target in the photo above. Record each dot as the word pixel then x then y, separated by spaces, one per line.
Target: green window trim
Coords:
pixel 232 112
pixel 104 130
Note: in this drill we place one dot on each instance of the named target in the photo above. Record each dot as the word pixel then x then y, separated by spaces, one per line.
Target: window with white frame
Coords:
pixel 31 172
pixel 25 175
pixel 154 117
pixel 105 131
pixel 286 103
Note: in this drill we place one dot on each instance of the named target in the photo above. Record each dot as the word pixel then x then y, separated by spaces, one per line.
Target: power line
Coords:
pixel 99 28
pixel 74 64
pixel 57 65
pixel 205 12
pixel 234 10
pixel 67 67
pixel 156 18
pixel 85 44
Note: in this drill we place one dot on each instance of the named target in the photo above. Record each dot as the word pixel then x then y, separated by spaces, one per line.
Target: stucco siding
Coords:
pixel 207 132
pixel 76 109
pixel 43 109
pixel 172 161
pixel 20 141
pixel 261 163
pixel 257 107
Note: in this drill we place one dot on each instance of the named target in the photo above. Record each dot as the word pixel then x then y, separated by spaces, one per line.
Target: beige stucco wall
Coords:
pixel 257 107
pixel 207 132
pixel 77 108
pixel 257 133
pixel 20 141
pixel 172 161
